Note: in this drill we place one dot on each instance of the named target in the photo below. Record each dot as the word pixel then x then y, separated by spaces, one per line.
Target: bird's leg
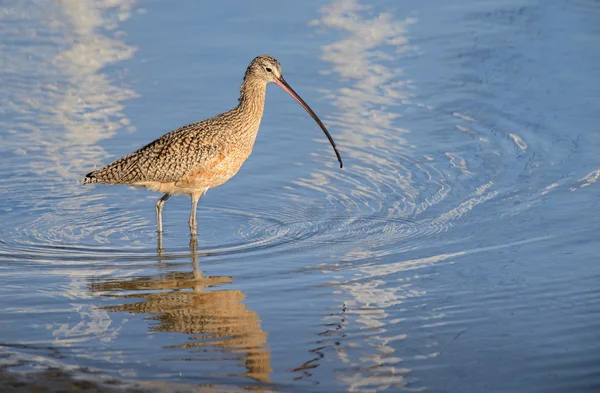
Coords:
pixel 159 207
pixel 193 222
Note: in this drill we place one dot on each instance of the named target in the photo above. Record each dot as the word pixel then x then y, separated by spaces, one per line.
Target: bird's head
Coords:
pixel 266 68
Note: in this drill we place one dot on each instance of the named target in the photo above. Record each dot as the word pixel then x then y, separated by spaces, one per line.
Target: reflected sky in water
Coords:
pixel 457 239
pixel 60 105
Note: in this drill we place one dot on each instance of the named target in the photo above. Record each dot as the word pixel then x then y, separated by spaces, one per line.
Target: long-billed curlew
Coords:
pixel 203 155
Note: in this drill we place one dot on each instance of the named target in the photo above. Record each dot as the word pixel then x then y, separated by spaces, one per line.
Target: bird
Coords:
pixel 194 158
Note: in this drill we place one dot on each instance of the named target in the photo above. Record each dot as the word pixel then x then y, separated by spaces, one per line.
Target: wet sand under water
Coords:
pixel 58 380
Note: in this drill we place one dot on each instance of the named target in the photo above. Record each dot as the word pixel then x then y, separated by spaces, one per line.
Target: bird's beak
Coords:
pixel 283 84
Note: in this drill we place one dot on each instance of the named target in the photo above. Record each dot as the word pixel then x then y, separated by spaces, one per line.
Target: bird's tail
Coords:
pixel 90 178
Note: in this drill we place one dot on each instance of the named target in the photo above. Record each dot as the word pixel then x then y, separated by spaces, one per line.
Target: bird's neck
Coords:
pixel 252 98
pixel 246 116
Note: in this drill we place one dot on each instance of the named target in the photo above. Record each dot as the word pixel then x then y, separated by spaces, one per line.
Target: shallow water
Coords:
pixel 456 251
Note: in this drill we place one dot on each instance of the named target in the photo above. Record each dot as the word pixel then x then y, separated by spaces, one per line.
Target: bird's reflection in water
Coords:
pixel 186 302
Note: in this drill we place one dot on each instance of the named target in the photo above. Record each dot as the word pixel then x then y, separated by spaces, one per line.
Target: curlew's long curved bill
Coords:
pixel 283 84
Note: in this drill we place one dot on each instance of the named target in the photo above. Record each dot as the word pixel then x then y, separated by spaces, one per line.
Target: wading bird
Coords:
pixel 203 155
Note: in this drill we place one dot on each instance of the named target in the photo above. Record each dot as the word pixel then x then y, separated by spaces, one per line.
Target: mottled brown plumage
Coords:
pixel 202 155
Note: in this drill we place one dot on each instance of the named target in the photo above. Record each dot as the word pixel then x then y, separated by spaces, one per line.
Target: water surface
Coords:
pixel 455 252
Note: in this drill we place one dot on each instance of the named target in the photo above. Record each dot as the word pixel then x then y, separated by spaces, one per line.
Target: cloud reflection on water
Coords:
pixel 382 165
pixel 373 97
pixel 57 103
pixel 60 103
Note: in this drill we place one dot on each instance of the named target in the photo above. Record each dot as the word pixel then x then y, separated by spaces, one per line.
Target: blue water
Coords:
pixel 456 251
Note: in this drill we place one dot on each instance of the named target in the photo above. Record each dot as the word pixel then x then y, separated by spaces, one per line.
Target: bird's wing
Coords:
pixel 167 159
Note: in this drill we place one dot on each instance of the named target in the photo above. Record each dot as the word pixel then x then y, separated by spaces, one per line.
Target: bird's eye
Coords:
pixel 268 69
